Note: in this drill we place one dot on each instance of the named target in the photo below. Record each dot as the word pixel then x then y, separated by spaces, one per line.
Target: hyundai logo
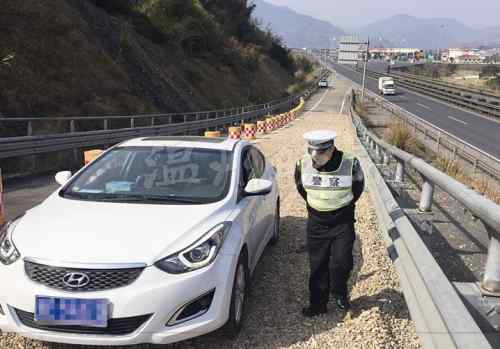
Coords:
pixel 76 280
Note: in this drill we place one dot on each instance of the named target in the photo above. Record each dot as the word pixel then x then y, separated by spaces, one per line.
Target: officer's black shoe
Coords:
pixel 342 302
pixel 314 310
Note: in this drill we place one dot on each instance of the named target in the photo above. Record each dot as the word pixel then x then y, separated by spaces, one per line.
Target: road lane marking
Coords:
pixel 424 106
pixel 319 102
pixel 449 134
pixel 343 101
pixel 457 120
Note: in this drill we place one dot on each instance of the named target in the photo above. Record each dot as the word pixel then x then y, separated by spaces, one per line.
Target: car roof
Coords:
pixel 220 143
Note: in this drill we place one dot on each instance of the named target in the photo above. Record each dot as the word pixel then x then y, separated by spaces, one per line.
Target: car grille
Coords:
pixel 100 279
pixel 119 326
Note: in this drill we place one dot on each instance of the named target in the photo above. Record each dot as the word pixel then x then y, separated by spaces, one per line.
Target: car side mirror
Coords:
pixel 62 177
pixel 256 187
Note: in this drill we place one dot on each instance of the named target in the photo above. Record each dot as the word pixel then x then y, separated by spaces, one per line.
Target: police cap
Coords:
pixel 321 139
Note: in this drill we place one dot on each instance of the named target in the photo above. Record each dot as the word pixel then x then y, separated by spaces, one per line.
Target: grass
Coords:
pixel 479 183
pixel 400 136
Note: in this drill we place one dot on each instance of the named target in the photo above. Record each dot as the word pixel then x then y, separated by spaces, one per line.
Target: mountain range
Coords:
pixel 295 29
pixel 409 31
pixel 298 30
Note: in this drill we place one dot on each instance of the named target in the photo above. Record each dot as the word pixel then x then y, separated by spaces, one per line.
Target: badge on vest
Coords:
pixel 334 182
pixel 317 180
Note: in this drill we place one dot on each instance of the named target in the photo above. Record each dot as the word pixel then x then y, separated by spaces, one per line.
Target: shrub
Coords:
pixel 400 136
pixel 489 71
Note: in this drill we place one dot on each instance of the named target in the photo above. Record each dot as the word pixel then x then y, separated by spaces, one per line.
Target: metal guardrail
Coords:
pixel 477 91
pixel 441 318
pixel 457 149
pixel 176 124
pixel 452 96
pixel 477 160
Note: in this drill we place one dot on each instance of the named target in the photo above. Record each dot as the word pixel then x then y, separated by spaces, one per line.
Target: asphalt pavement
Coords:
pixel 477 130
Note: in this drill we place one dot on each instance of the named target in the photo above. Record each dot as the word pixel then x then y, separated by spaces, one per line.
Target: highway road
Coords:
pixel 472 128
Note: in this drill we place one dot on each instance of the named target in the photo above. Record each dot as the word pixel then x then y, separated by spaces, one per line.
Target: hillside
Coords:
pixel 409 31
pixel 84 57
pixel 297 30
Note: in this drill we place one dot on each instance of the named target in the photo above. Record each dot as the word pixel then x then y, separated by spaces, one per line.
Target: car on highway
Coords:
pixel 154 241
pixel 323 83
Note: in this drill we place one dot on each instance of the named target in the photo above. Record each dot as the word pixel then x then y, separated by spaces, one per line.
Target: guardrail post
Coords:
pixel 426 196
pixel 438 142
pixel 400 170
pixel 105 124
pixel 152 121
pixel 132 122
pixel 30 129
pixel 72 129
pixel 378 153
pixel 387 158
pixel 491 280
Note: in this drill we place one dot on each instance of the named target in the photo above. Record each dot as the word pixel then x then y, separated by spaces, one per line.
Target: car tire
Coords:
pixel 238 299
pixel 276 228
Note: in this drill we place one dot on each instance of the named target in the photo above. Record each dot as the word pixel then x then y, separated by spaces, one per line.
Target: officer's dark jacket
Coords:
pixel 344 215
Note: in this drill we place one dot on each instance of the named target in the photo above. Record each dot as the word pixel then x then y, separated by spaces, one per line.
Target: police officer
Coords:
pixel 330 181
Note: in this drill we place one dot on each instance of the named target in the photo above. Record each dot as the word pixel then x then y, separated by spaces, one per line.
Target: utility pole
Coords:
pixel 364 71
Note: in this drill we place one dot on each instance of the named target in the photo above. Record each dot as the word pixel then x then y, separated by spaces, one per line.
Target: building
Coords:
pixel 391 53
pixel 461 55
pixel 469 59
pixel 351 49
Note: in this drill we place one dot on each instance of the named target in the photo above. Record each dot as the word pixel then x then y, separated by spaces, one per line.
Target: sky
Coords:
pixel 351 14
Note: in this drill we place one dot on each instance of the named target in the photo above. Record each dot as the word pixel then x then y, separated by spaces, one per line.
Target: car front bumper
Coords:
pixel 154 292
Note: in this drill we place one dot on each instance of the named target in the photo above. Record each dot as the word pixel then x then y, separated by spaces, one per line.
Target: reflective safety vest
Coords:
pixel 328 191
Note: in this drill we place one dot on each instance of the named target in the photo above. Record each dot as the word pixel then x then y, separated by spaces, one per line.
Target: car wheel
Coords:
pixel 276 228
pixel 238 299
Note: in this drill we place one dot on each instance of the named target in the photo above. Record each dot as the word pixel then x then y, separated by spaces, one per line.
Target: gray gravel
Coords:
pixel 379 316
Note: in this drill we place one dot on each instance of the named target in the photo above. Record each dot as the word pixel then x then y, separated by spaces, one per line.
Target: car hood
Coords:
pixel 95 232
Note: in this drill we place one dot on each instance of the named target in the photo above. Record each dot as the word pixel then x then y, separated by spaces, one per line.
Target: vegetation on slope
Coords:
pixel 67 57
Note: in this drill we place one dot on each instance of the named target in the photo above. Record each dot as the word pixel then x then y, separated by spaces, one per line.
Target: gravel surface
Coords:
pixel 379 316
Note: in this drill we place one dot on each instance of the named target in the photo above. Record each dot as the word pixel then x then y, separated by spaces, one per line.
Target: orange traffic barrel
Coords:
pixel 249 131
pixel 261 127
pixel 234 132
pixel 90 155
pixel 212 134
pixel 269 124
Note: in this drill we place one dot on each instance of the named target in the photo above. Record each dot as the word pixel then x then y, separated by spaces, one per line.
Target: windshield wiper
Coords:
pixel 146 198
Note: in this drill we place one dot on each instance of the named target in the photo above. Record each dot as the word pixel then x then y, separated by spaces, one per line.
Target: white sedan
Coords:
pixel 152 242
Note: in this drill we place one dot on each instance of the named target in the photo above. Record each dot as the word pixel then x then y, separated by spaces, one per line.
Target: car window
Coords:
pixel 258 162
pixel 162 173
pixel 247 168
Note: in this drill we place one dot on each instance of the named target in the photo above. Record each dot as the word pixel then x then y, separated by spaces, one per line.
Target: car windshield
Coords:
pixel 154 174
pixel 389 85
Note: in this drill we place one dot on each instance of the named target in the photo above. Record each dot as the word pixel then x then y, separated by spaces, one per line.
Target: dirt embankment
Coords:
pixel 77 57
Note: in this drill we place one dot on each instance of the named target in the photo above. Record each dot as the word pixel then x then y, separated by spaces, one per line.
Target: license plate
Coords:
pixel 71 311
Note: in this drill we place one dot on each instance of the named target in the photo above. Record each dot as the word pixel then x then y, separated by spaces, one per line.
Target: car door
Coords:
pixel 248 206
pixel 264 208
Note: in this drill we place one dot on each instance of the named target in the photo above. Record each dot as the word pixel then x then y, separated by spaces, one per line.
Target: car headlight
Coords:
pixel 8 252
pixel 198 255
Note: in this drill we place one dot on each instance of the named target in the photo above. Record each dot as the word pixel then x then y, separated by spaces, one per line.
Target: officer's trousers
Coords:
pixel 331 260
